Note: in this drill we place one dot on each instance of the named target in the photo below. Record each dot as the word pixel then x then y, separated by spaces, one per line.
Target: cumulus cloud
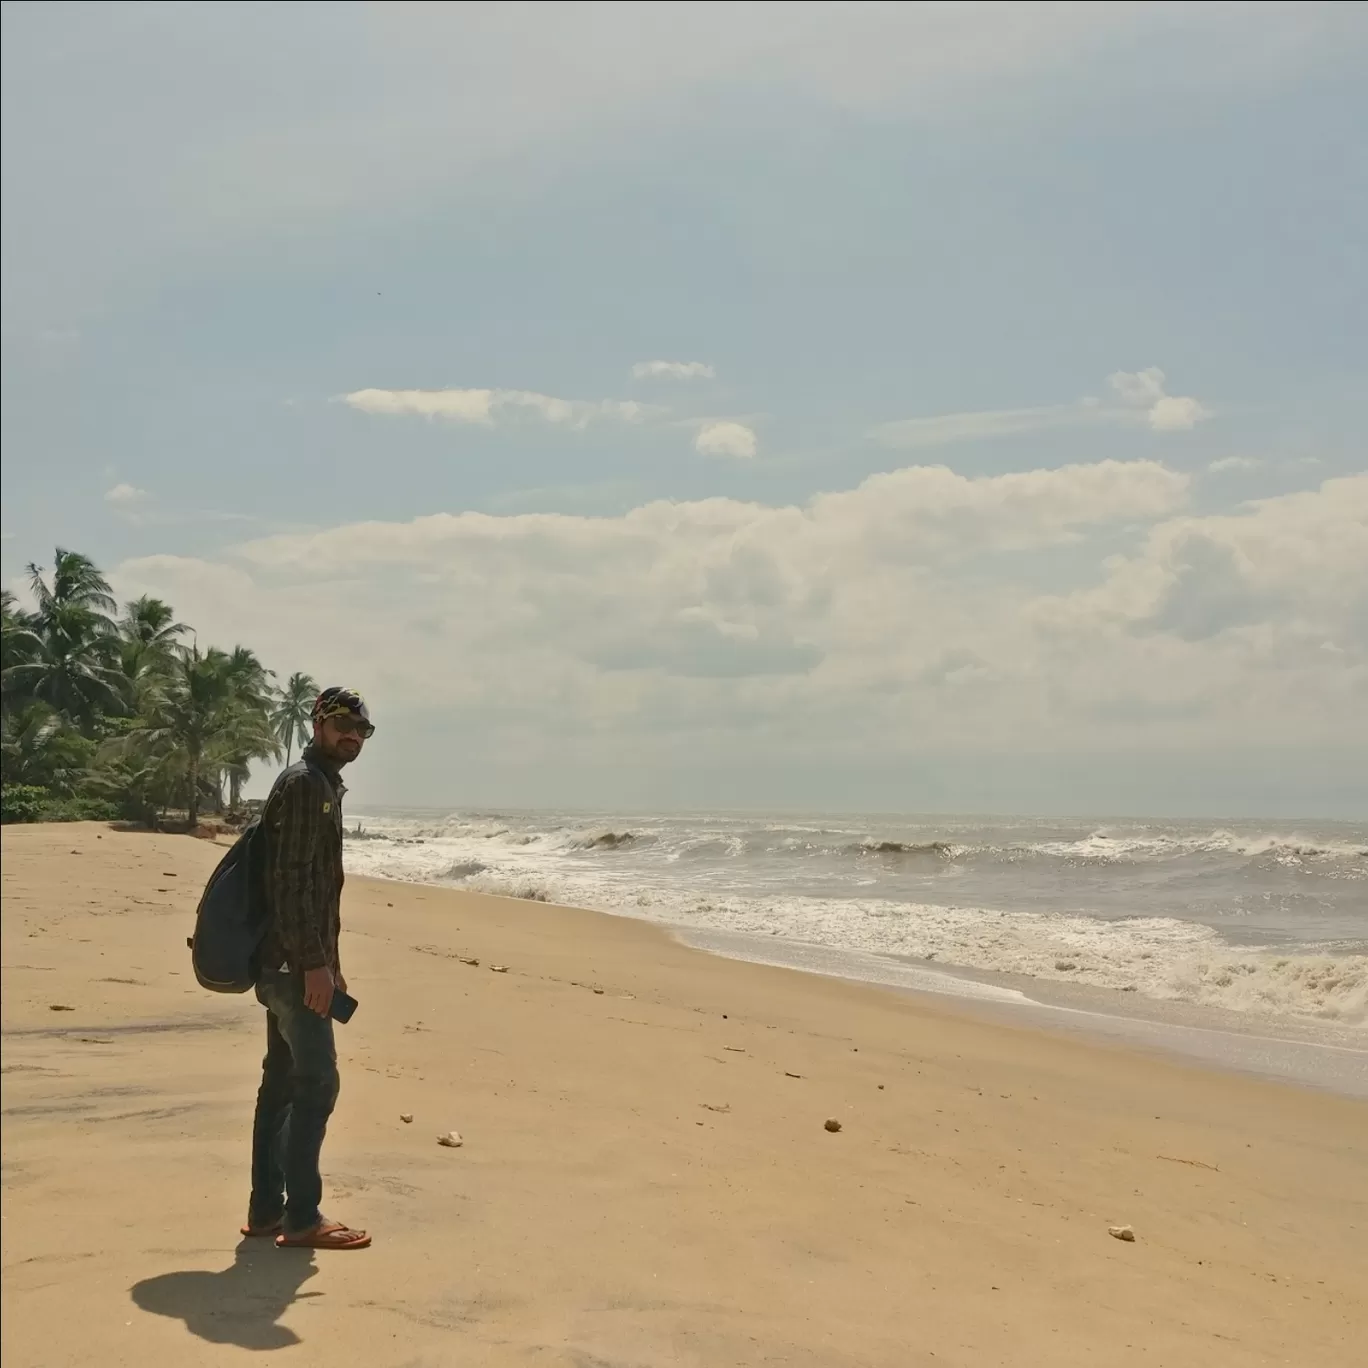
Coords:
pixel 125 495
pixel 673 370
pixel 1140 396
pixel 489 406
pixel 1174 414
pixel 456 405
pixel 1225 463
pixel 725 438
pixel 921 514
pixel 1138 388
pixel 1269 576
pixel 918 605
pixel 1144 390
pixel 854 593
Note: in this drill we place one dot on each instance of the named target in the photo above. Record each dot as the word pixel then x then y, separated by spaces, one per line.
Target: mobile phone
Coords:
pixel 343 1006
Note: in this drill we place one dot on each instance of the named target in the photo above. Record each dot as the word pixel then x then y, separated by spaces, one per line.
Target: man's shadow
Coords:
pixel 239 1305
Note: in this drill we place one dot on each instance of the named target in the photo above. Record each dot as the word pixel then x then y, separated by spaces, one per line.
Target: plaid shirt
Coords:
pixel 303 820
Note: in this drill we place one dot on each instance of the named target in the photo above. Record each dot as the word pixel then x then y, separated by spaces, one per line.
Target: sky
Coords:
pixel 845 406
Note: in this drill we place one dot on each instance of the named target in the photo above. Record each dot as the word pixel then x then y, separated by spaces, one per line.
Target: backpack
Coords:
pixel 234 912
pixel 233 916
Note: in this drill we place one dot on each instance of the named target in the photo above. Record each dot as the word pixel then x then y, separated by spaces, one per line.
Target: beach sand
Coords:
pixel 646 1178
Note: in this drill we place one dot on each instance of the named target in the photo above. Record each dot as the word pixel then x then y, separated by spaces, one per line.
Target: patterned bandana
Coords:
pixel 340 702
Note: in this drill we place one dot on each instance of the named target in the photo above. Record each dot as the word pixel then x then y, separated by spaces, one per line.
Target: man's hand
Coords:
pixel 318 990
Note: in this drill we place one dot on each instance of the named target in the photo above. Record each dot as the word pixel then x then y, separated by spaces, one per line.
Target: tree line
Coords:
pixel 109 714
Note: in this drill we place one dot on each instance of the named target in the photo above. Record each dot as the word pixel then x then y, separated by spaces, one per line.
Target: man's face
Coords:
pixel 341 738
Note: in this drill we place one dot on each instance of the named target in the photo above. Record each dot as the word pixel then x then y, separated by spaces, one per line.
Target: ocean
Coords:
pixel 1266 922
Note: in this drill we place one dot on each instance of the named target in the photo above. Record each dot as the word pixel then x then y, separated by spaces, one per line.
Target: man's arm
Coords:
pixel 300 907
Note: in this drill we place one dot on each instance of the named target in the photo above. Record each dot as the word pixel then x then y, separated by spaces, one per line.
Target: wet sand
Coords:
pixel 646 1178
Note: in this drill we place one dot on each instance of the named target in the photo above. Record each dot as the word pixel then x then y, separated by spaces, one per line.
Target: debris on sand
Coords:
pixel 59 1007
pixel 406 1118
pixel 498 968
pixel 1193 1163
pixel 451 1140
pixel 832 1124
pixel 1122 1233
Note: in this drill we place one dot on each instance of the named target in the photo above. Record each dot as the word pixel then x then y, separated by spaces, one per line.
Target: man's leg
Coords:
pixel 269 1126
pixel 313 1086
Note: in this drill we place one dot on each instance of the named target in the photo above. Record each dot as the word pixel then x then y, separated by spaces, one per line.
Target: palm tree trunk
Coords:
pixel 192 802
pixel 234 791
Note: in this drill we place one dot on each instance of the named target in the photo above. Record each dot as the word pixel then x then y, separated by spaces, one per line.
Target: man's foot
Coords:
pixel 325 1235
pixel 257 1231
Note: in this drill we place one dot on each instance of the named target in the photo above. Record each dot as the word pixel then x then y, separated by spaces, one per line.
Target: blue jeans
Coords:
pixel 299 1085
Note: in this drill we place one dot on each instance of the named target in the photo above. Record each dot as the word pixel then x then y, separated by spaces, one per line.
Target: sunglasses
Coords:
pixel 349 726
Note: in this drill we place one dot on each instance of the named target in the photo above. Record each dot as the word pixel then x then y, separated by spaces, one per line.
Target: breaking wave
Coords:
pixel 1102 845
pixel 1255 921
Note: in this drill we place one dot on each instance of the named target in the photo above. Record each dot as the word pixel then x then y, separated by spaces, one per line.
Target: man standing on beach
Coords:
pixel 300 971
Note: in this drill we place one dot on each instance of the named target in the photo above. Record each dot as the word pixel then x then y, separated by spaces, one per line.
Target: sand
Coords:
pixel 646 1178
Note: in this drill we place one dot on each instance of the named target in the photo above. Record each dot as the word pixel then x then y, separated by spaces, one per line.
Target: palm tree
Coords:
pixel 141 777
pixel 186 714
pixel 63 652
pixel 16 647
pixel 248 733
pixel 293 711
pixel 69 673
pixel 250 677
pixel 41 748
pixel 76 583
pixel 148 636
pixel 14 616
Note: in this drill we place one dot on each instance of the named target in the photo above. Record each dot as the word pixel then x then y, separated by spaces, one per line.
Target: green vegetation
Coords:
pixel 105 716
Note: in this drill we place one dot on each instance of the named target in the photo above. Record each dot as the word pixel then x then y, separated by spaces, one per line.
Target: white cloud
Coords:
pixel 456 405
pixel 673 370
pixel 920 607
pixel 1268 575
pixel 489 406
pixel 1171 414
pixel 1164 413
pixel 125 495
pixel 1225 463
pixel 1138 388
pixel 725 438
pixel 922 514
pixel 1141 398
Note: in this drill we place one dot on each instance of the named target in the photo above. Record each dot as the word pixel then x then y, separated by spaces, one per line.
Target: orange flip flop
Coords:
pixel 325 1235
